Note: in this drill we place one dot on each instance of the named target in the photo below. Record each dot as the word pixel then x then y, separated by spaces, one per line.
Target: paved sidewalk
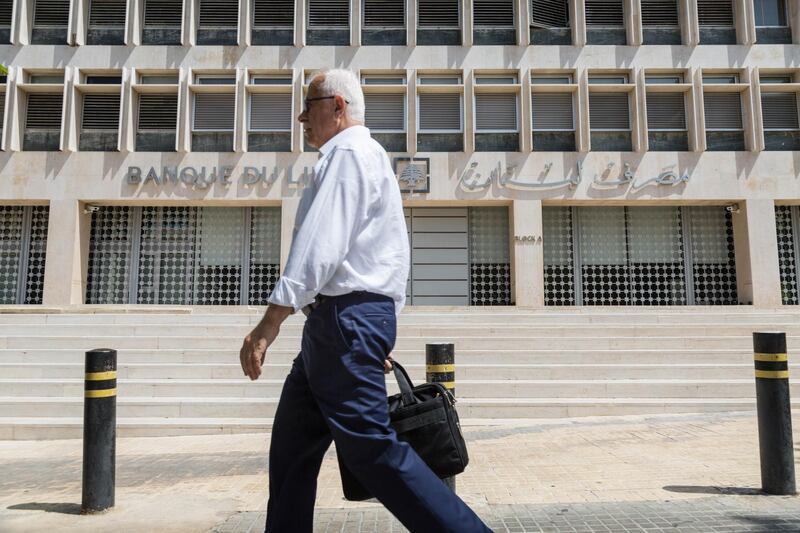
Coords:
pixel 671 473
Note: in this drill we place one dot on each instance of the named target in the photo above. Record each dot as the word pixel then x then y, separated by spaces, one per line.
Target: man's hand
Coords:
pixel 387 364
pixel 254 349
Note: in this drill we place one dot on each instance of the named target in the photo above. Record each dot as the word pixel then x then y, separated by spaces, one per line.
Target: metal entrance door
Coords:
pixel 459 256
pixel 787 219
pixel 23 244
pixel 183 255
pixel 638 256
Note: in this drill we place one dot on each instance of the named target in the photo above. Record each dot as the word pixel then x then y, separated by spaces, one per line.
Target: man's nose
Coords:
pixel 303 117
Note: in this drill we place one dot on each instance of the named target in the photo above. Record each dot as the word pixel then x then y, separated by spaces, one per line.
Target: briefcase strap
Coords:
pixel 404 382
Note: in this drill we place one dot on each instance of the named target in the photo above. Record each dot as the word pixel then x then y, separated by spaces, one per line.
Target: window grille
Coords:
pixel 779 111
pixel 715 13
pixel 384 14
pixel 666 111
pixel 385 112
pixel 328 14
pixel 270 112
pixel 787 222
pixel 660 13
pixel 609 111
pixel 438 14
pixel 550 13
pixel 107 14
pixel 183 255
pixel 493 13
pixel 655 255
pixel 158 112
pixel 100 112
pixel 6 10
pixel 50 13
pixel 163 14
pixel 2 111
pixel 440 112
pixel 606 13
pixel 218 14
pixel 273 14
pixel 496 112
pixel 723 111
pixel 43 111
pixel 214 112
pixel 489 256
pixel 552 112
pixel 23 247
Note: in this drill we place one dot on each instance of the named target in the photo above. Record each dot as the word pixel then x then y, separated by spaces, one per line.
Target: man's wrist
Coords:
pixel 275 316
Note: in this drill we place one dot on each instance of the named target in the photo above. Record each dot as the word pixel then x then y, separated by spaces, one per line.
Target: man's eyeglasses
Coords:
pixel 307 100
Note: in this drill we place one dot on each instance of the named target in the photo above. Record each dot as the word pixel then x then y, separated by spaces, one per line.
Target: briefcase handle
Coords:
pixel 406 387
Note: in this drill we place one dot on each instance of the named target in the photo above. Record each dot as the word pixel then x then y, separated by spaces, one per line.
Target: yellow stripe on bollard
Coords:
pixel 772 374
pixel 101 376
pixel 771 357
pixel 440 368
pixel 447 384
pixel 103 393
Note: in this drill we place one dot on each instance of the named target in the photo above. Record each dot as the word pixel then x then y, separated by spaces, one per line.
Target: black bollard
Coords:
pixel 774 413
pixel 99 430
pixel 440 367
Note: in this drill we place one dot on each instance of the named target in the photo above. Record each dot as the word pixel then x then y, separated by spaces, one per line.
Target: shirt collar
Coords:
pixel 353 132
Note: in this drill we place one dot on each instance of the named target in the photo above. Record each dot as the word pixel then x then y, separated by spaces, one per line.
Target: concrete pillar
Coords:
pixel 756 242
pixel 527 253
pixel 67 253
pixel 288 213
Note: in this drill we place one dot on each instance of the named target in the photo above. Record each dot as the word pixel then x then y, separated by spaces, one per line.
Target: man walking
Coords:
pixel 347 271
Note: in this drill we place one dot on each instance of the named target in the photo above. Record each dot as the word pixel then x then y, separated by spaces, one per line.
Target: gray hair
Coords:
pixel 343 82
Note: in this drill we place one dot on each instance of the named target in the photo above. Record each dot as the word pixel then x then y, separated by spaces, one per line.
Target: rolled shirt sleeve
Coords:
pixel 328 230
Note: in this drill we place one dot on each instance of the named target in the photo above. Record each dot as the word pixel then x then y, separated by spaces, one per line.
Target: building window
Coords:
pixel 787 222
pixel 605 22
pixel 157 112
pixel 609 114
pixel 550 22
pixel 723 114
pixel 43 112
pixel 328 23
pixel 496 114
pixel 384 23
pixel 779 113
pixel 386 112
pixel 772 22
pixel 666 115
pixel 106 22
pixel 273 22
pixel 214 113
pixel 439 22
pixel 99 123
pixel 50 21
pixel 218 22
pixel 552 110
pixel 440 115
pixel 6 12
pixel 270 114
pixel 162 21
pixel 493 22
pixel 660 22
pixel 23 248
pixel 717 21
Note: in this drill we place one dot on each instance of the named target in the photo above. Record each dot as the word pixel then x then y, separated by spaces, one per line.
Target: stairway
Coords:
pixel 179 372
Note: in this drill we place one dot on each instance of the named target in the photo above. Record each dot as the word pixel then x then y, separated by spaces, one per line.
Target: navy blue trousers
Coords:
pixel 336 390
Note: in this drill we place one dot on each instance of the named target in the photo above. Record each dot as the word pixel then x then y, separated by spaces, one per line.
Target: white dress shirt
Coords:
pixel 350 230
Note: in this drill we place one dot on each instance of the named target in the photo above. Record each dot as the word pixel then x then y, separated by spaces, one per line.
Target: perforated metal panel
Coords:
pixel 787 221
pixel 183 255
pixel 489 254
pixel 23 247
pixel 653 255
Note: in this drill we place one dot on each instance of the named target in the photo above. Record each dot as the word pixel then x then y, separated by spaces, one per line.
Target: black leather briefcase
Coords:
pixel 425 417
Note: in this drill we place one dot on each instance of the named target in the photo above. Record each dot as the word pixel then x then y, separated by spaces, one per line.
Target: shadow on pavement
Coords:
pixel 713 489
pixel 63 508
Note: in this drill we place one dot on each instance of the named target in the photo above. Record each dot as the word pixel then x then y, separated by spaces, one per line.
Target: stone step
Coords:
pixel 521 388
pixel 431 330
pixel 484 408
pixel 661 355
pixel 285 342
pixel 482 371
